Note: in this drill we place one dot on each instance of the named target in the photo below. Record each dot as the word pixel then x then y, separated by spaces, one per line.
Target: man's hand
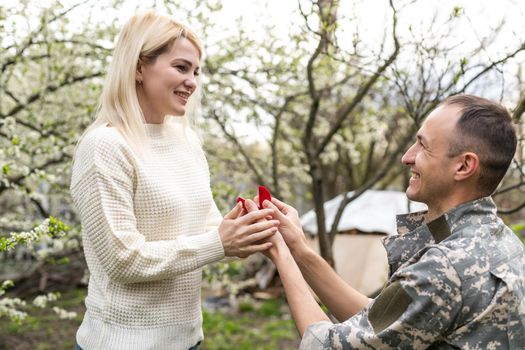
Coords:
pixel 276 240
pixel 342 300
pixel 247 234
pixel 290 225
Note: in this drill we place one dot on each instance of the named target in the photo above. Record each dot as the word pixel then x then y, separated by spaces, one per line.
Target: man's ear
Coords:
pixel 467 166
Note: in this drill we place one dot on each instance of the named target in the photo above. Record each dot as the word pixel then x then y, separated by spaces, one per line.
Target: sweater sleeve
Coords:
pixel 103 194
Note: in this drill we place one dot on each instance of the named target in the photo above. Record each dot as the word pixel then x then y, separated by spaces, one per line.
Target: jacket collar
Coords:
pixel 414 234
pixel 442 227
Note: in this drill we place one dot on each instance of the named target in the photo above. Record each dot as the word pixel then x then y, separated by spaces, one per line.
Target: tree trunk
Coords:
pixel 325 246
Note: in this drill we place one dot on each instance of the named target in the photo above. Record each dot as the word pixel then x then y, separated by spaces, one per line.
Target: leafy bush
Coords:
pixel 52 239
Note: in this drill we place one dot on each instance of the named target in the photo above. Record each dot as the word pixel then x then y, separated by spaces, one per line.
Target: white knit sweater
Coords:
pixel 149 225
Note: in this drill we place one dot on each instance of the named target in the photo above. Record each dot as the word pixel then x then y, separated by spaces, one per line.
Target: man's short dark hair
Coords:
pixel 485 128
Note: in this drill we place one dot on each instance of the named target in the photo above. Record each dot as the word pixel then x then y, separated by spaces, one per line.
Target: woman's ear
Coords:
pixel 138 73
pixel 467 166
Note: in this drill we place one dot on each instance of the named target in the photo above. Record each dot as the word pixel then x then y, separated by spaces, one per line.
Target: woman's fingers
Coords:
pixel 261 226
pixel 254 216
pixel 255 249
pixel 260 235
pixel 250 205
pixel 235 212
pixel 249 233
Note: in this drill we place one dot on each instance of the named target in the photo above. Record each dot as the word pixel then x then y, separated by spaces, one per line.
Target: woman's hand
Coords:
pixel 247 234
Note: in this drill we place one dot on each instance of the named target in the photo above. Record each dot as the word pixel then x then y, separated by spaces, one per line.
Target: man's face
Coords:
pixel 432 180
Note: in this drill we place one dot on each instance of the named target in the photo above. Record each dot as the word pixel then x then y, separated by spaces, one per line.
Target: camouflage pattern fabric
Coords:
pixel 457 282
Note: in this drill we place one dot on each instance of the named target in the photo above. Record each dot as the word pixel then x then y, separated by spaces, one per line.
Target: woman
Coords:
pixel 140 182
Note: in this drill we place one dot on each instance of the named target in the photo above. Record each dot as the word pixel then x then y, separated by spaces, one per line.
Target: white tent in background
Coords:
pixel 360 258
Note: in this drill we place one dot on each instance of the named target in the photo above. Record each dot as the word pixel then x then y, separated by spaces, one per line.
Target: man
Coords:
pixel 456 272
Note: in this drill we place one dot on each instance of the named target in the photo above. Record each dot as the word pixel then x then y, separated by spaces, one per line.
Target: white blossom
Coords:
pixel 9 307
pixel 63 314
pixel 72 244
pixel 85 277
pixel 42 300
pixel 9 124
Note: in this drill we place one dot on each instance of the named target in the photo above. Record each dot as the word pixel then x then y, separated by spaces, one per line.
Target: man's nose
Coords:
pixel 409 156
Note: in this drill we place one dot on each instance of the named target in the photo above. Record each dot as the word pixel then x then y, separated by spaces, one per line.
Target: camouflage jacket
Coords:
pixel 456 282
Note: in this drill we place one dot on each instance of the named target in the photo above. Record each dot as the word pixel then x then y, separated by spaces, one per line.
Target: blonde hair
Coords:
pixel 143 38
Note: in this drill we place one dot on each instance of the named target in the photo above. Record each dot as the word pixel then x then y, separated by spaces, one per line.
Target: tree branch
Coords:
pixel 491 66
pixel 511 210
pixel 370 183
pixel 273 144
pixel 344 111
pixel 49 88
pixel 519 110
pixel 235 141
pixel 19 179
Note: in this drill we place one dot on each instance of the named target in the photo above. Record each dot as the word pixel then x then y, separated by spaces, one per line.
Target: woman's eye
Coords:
pixel 181 68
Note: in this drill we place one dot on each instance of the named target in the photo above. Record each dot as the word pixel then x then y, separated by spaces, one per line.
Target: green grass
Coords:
pixel 257 326
pixel 249 330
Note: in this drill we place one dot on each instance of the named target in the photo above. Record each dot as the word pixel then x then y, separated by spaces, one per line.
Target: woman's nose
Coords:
pixel 191 83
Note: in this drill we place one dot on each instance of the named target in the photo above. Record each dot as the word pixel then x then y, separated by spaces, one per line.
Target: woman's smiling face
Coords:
pixel 166 83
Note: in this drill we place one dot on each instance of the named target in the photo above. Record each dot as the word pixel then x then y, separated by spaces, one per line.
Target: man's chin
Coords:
pixel 412 195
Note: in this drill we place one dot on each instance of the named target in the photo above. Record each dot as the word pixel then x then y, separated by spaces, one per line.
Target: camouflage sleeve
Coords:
pixel 414 310
pixel 315 335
